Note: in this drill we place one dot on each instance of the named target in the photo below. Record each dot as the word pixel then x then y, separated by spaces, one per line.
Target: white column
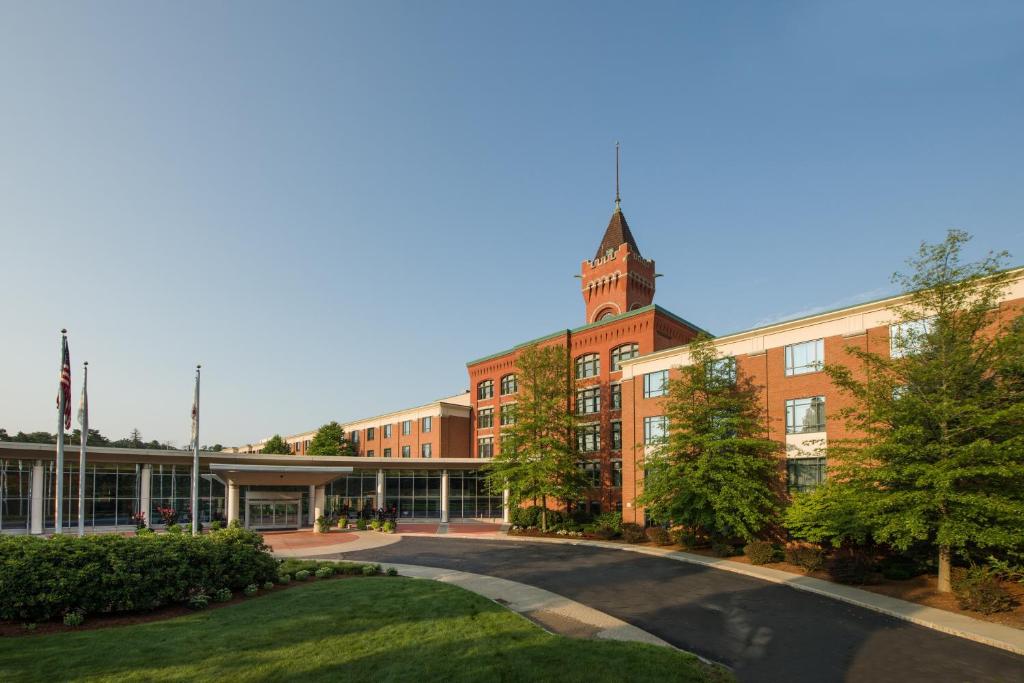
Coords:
pixel 444 496
pixel 312 501
pixel 38 497
pixel 145 493
pixel 380 488
pixel 504 507
pixel 318 504
pixel 232 502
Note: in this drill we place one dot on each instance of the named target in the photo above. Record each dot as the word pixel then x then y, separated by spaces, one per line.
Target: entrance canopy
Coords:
pixel 278 475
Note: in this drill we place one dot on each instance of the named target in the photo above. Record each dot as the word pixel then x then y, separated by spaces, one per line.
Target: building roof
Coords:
pixel 616 234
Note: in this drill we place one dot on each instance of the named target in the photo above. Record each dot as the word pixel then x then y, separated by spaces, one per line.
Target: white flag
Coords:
pixel 83 407
pixel 195 413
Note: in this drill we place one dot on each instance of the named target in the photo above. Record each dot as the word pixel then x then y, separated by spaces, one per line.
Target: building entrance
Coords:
pixel 273 510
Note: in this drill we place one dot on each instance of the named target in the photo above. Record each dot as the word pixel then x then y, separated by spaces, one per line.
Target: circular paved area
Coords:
pixel 764 631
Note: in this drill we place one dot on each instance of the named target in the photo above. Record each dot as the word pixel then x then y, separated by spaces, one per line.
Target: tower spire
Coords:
pixel 617 198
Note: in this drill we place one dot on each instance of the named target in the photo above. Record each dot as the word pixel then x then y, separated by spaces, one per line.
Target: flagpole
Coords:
pixel 83 410
pixel 195 458
pixel 58 496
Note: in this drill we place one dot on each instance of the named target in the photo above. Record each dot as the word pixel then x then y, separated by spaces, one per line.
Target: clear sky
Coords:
pixel 333 206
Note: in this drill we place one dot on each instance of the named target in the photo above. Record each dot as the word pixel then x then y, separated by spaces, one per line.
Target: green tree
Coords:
pixel 538 457
pixel 330 440
pixel 941 459
pixel 35 437
pixel 715 471
pixel 3 435
pixel 275 445
pixel 95 438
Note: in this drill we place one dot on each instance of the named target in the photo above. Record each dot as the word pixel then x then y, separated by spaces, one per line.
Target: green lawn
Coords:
pixel 362 629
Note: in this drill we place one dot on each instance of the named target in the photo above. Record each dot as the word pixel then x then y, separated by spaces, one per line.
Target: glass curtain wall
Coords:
pixel 468 495
pixel 15 495
pixel 416 493
pixel 352 494
pixel 111 494
pixel 171 487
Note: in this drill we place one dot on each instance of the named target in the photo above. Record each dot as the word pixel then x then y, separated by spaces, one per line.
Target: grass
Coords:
pixel 370 629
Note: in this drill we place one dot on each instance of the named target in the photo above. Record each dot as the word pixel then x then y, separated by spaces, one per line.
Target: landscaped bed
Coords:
pixel 377 628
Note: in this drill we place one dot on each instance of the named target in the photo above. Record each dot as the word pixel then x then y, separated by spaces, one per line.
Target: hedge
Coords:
pixel 44 578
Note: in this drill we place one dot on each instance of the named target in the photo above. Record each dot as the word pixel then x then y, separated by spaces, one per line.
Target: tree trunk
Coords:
pixel 544 514
pixel 945 569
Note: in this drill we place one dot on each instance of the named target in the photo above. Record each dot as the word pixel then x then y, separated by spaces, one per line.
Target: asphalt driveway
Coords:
pixel 763 631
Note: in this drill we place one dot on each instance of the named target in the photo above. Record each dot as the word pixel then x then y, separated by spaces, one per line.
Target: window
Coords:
pixel 370 453
pixel 588 401
pixel 509 385
pixel 908 338
pixel 805 357
pixel 427 424
pixel 655 429
pixel 722 372
pixel 805 474
pixel 371 432
pixel 805 415
pixel 508 414
pixel 588 365
pixel 406 451
pixel 355 436
pixel 485 389
pixel 387 431
pixel 592 468
pixel 485 418
pixel 425 450
pixel 616 391
pixel 588 438
pixel 406 427
pixel 485 447
pixel 616 435
pixel 616 473
pixel 624 352
pixel 387 452
pixel 656 384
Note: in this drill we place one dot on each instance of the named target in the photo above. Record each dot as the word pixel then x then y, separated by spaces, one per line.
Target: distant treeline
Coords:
pixel 74 438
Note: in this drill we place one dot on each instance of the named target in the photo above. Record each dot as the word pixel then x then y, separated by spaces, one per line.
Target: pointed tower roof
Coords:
pixel 617 234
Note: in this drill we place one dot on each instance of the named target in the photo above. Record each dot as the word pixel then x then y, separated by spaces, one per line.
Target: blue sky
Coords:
pixel 333 206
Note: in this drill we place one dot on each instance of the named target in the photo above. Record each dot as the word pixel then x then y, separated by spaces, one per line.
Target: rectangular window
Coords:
pixel 588 365
pixel 508 414
pixel 406 427
pixel 355 436
pixel 908 338
pixel 616 392
pixel 592 468
pixel 369 453
pixel 656 384
pixel 588 438
pixel 655 430
pixel 624 352
pixel 485 389
pixel 588 401
pixel 485 447
pixel 722 371
pixel 805 415
pixel 427 424
pixel 805 357
pixel 425 450
pixel 370 433
pixel 406 451
pixel 387 431
pixel 616 473
pixel 805 474
pixel 616 435
pixel 387 452
pixel 485 418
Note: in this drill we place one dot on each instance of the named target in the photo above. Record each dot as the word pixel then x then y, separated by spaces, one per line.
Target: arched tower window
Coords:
pixel 624 352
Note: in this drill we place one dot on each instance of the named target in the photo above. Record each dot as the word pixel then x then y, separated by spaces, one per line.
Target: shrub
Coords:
pixel 658 535
pixel 392 571
pixel 302 575
pixel 759 552
pixel 251 590
pixel 369 570
pixel 342 522
pixel 609 520
pixel 810 558
pixel 74 617
pixel 900 568
pixel 375 524
pixel 361 524
pixel 144 531
pixel 198 599
pixel 235 524
pixel 267 585
pixel 525 517
pixel 216 525
pixel 684 537
pixel 978 589
pixel 325 572
pixel 724 549
pixel 168 515
pixel 140 520
pixel 284 579
pixel 389 527
pixel 633 533
pixel 851 567
pixel 172 529
pixel 222 594
pixel 42 578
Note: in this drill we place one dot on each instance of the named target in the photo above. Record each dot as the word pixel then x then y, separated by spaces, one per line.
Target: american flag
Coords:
pixel 65 385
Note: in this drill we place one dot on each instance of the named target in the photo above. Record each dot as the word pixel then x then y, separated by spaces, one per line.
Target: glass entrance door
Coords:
pixel 273 514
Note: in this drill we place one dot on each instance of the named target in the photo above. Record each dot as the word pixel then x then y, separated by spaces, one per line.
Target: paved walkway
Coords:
pixel 763 631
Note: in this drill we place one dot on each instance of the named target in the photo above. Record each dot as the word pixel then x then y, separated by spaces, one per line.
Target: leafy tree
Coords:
pixel 275 445
pixel 330 440
pixel 538 457
pixel 3 435
pixel 135 439
pixel 941 459
pixel 95 438
pixel 35 437
pixel 715 471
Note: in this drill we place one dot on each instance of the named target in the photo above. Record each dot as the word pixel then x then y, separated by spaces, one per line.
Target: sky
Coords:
pixel 333 206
